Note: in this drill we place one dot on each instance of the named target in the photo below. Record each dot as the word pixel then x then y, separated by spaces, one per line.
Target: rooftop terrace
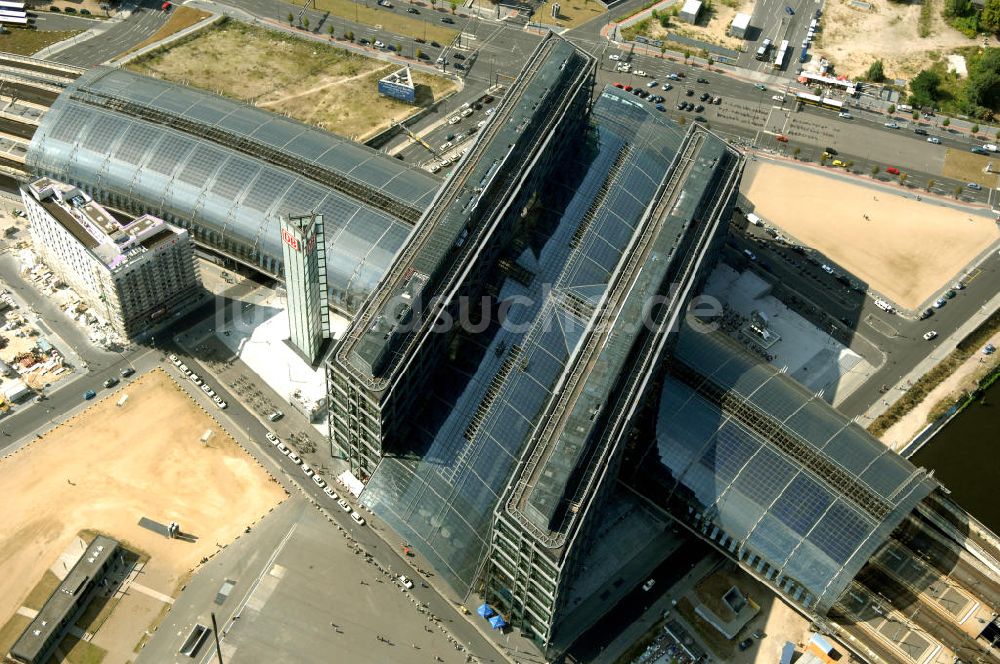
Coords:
pixel 113 243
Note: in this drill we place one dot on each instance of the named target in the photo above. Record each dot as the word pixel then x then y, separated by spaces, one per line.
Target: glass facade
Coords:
pixel 773 473
pixel 486 402
pixel 228 199
pixel 305 283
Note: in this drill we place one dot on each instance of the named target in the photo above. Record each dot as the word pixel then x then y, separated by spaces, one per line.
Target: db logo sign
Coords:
pixel 290 239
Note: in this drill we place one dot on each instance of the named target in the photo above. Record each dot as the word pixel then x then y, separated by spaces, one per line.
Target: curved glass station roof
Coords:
pixel 775 473
pixel 488 401
pixel 226 171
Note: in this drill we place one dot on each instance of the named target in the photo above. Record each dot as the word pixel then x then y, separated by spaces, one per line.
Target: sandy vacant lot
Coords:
pixel 908 249
pixel 309 81
pixel 109 466
pixel 853 38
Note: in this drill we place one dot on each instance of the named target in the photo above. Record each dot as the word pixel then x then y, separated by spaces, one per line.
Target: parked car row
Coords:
pixel 196 379
pixel 314 475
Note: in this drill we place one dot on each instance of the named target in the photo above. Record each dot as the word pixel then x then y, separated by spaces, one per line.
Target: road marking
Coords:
pixel 166 599
pixel 972 275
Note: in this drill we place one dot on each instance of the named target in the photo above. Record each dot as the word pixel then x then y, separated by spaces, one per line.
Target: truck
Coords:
pixel 991 147
pixel 762 50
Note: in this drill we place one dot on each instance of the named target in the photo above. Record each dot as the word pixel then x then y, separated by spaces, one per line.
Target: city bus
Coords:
pixel 822 102
pixel 779 58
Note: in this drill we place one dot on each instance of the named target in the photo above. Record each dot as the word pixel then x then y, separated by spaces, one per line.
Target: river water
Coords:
pixel 965 456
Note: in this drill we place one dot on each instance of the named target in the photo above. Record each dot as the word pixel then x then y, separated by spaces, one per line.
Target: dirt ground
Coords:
pixel 107 467
pixel 322 85
pixel 571 12
pixel 965 379
pixel 907 249
pixel 712 26
pixel 853 38
pixel 968 166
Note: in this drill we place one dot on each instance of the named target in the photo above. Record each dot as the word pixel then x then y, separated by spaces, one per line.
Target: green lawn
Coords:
pixel 81 652
pixel 42 590
pixel 28 42
pixel 11 630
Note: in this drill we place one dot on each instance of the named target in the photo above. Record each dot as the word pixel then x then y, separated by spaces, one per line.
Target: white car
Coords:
pixel 183 367
pixel 379 44
pixel 454 120
pixel 176 360
pixel 929 335
pixel 222 404
pixel 406 582
pixel 307 470
pixel 283 449
pixel 845 115
pixel 195 379
pixel 639 72
pixel 294 458
pixel 891 125
pixel 649 585
pixel 344 505
pixel 330 492
pixel 778 98
pixel 319 481
pixel 667 86
pixel 446 146
pixel 271 437
pixel 614 56
pixel 466 113
pixel 358 519
pixel 933 139
pixel 826 268
pixel 651 84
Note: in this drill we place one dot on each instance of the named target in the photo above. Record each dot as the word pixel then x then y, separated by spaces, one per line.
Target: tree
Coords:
pixel 891 109
pixel 349 35
pixel 974 129
pixel 454 6
pixel 711 62
pixel 291 18
pixel 989 18
pixel 876 72
pixel 958 191
pixel 956 8
pixel 875 170
pixel 924 88
pixel 687 55
pixel 305 22
pixel 796 152
pixel 399 48
pixel 930 184
pixel 823 158
pixel 418 54
pixel 946 122
pixel 902 178
pixel 329 30
pixel 915 115
pixel 848 165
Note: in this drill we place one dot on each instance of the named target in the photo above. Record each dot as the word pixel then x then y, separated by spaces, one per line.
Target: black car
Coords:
pixel 699 118
pixel 703 80
pixel 447 19
pixel 979 150
pixel 920 132
pixel 831 151
pixel 926 313
pixel 699 108
pixel 690 93
pixel 458 56
pixel 705 96
pixel 458 65
pixel 681 106
pixel 745 643
pixel 420 40
pixel 110 382
pixel 435 44
pixel 127 371
pixel 412 10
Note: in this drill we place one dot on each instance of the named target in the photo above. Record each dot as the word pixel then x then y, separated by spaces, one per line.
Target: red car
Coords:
pixel 619 86
pixel 628 88
pixel 892 170
pixel 166 6
pixel 782 138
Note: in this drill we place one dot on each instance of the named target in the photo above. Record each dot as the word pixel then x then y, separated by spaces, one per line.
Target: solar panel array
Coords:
pixel 444 502
pixel 229 200
pixel 789 509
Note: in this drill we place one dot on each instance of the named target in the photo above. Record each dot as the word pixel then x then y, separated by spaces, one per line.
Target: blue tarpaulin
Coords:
pixel 498 622
pixel 486 611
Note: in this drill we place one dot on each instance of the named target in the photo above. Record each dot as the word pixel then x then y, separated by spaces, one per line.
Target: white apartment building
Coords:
pixel 133 274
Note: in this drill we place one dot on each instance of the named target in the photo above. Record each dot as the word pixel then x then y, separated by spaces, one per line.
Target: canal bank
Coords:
pixel 965 457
